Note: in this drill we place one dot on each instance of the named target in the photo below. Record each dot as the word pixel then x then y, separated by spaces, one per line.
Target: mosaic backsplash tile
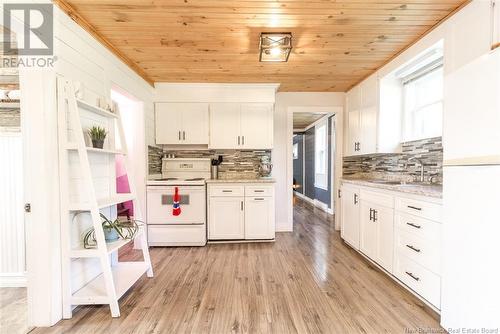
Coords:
pixel 235 164
pixel 395 166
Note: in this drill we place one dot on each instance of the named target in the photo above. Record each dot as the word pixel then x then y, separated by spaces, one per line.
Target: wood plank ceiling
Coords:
pixel 336 43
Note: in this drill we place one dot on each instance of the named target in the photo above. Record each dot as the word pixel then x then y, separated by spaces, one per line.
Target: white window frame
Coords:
pixel 321 176
pixel 409 115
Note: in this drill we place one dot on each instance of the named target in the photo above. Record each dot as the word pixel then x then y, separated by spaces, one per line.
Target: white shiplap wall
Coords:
pixel 80 58
pixel 12 237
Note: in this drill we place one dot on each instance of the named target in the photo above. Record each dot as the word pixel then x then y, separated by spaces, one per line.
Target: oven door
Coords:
pixel 159 205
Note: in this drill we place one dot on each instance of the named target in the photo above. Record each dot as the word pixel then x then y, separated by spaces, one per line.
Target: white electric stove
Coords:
pixel 189 228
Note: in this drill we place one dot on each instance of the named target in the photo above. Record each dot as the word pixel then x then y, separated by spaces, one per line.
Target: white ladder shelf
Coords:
pixel 116 277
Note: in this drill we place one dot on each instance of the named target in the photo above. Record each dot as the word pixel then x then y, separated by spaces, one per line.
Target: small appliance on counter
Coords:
pixel 265 167
pixel 214 171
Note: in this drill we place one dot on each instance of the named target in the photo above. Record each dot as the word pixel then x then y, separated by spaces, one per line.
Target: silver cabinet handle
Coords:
pixel 258 199
pixel 375 215
pixel 413 248
pixel 183 135
pixel 258 191
pixel 241 205
pixel 371 213
pixel 227 191
pixel 356 199
pixel 414 225
pixel 242 140
pixel 179 135
pixel 412 276
pixel 414 208
pixel 238 140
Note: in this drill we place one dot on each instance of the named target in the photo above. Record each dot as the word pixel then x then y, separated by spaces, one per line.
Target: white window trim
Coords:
pixel 321 179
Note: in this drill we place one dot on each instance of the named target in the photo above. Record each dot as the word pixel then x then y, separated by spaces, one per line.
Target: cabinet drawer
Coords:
pixel 418 226
pixel 259 191
pixel 226 191
pixel 423 251
pixel 422 281
pixel 377 198
pixel 418 208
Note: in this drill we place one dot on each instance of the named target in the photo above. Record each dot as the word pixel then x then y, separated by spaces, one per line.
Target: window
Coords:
pixel 321 155
pixel 296 151
pixel 423 103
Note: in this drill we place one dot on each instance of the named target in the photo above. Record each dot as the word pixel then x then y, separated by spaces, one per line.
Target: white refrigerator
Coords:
pixel 471 196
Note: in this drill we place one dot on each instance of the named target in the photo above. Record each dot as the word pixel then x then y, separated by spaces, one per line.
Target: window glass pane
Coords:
pixel 321 155
pixel 423 105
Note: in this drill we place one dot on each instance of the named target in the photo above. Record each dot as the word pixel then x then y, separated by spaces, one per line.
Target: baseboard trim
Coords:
pixel 320 205
pixel 15 280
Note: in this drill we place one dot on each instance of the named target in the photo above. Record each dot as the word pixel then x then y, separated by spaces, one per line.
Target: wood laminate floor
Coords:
pixel 308 281
pixel 13 311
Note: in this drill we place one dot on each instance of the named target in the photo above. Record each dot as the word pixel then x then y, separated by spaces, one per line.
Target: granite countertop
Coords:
pixel 429 190
pixel 258 180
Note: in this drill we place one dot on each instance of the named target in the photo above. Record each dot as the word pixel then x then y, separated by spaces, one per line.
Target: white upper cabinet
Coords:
pixel 470 35
pixel 224 125
pixel 369 110
pixel 181 123
pixel 372 127
pixel 256 126
pixel 241 126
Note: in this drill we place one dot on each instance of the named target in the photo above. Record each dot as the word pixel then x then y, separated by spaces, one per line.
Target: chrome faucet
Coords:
pixel 421 167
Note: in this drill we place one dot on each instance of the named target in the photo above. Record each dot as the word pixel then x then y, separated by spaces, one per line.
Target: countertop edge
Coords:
pixel 405 190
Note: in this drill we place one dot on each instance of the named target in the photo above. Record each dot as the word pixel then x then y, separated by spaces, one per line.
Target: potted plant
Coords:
pixel 113 230
pixel 97 135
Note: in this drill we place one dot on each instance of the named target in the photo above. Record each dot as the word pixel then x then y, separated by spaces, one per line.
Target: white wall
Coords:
pixel 282 160
pixel 79 58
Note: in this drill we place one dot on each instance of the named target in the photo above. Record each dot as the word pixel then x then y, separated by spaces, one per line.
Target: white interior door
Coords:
pixel 168 123
pixel 195 123
pixel 225 126
pixel 12 237
pixel 256 126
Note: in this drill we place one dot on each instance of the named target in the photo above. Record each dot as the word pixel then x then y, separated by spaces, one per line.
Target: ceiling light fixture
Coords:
pixel 275 46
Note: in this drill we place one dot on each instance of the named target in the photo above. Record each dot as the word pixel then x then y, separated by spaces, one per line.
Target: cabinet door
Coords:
pixel 195 123
pixel 368 231
pixel 384 222
pixel 353 131
pixel 259 218
pixel 256 126
pixel 225 126
pixel 368 115
pixel 226 218
pixel 353 120
pixel 350 216
pixel 168 118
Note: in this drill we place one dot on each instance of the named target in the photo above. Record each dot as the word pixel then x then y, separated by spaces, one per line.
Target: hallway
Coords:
pixel 308 281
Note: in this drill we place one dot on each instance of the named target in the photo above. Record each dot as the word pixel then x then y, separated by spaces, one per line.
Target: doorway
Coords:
pixel 313 158
pixel 134 169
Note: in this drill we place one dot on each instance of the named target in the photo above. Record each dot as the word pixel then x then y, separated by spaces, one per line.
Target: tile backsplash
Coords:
pixel 393 166
pixel 235 164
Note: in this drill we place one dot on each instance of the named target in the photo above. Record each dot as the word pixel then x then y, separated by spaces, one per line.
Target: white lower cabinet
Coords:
pixel 236 213
pixel 399 232
pixel 350 215
pixel 259 218
pixel 226 218
pixel 377 233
